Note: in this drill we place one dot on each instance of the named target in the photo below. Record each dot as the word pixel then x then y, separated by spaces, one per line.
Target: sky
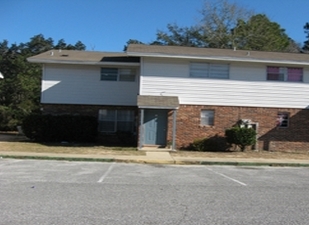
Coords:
pixel 106 25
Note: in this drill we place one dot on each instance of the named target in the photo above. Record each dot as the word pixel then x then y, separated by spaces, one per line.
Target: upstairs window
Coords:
pixel 111 120
pixel 207 117
pixel 115 74
pixel 209 70
pixel 284 74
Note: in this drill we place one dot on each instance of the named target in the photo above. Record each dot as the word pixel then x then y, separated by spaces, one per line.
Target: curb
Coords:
pixel 272 164
pixel 153 161
pixel 58 158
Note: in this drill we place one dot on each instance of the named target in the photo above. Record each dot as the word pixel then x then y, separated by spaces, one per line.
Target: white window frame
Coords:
pixel 207 117
pixel 115 119
pixel 209 70
pixel 119 74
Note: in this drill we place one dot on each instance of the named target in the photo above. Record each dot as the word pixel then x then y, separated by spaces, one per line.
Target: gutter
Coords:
pixel 72 62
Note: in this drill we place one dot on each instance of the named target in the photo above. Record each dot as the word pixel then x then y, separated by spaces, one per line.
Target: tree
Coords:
pixel 259 33
pixel 20 88
pixel 306 43
pixel 219 18
pixel 62 45
pixel 228 25
pixel 186 36
pixel 131 41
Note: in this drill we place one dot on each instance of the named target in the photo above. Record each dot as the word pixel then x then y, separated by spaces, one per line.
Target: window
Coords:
pixel 209 70
pixel 207 117
pixel 282 119
pixel 115 74
pixel 284 74
pixel 116 120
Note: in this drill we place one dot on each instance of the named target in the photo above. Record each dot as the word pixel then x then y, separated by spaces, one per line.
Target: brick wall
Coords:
pixel 293 138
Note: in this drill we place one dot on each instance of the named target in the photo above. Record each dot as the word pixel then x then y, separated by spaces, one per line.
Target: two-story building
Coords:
pixel 175 95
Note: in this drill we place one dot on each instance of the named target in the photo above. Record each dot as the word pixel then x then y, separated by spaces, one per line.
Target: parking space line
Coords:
pixel 230 178
pixel 106 173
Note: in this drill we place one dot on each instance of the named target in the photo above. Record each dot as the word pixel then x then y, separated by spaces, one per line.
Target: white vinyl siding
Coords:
pixel 66 84
pixel 246 86
pixel 209 70
pixel 228 92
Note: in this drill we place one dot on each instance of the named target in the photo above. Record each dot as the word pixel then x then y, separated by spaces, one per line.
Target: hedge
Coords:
pixel 60 128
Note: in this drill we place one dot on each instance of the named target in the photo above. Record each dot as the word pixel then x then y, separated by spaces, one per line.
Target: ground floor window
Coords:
pixel 207 117
pixel 282 119
pixel 111 120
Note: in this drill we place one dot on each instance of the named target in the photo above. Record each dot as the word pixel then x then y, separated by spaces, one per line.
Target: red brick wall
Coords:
pixel 293 138
pixel 188 128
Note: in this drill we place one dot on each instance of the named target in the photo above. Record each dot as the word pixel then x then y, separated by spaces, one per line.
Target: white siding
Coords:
pixel 247 86
pixel 165 67
pixel 82 85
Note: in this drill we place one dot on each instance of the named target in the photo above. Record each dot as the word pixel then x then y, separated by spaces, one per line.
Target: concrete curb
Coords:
pixel 157 161
pixel 58 158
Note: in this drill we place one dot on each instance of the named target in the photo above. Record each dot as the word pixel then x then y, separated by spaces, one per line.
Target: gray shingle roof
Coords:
pixel 219 54
pixel 82 57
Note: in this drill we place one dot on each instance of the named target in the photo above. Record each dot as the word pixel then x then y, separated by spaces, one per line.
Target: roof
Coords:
pixel 84 57
pixel 157 102
pixel 217 54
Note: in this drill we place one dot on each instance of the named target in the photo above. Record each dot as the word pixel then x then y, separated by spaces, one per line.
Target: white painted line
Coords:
pixel 237 181
pixel 106 173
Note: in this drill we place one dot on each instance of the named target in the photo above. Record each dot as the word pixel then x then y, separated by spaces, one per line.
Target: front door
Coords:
pixel 155 124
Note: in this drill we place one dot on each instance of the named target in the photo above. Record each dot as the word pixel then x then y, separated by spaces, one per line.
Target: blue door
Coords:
pixel 155 124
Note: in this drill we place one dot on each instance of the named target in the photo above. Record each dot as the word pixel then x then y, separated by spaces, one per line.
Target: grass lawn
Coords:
pixel 13 142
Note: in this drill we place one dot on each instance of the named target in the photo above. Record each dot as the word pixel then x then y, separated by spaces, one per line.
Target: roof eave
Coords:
pixel 72 62
pixel 217 58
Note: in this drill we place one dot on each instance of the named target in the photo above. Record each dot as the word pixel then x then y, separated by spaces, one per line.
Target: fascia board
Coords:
pixel 43 61
pixel 230 59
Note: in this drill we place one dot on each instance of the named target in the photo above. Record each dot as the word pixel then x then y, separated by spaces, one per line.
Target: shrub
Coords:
pixel 241 137
pixel 49 128
pixel 199 144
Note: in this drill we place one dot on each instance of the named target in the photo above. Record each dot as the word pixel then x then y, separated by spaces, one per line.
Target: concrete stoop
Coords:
pixel 156 148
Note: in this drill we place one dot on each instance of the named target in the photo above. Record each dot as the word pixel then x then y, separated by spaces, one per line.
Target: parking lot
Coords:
pixel 61 192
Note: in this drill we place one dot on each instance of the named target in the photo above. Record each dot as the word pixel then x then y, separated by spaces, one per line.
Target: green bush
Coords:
pixel 241 137
pixel 69 128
